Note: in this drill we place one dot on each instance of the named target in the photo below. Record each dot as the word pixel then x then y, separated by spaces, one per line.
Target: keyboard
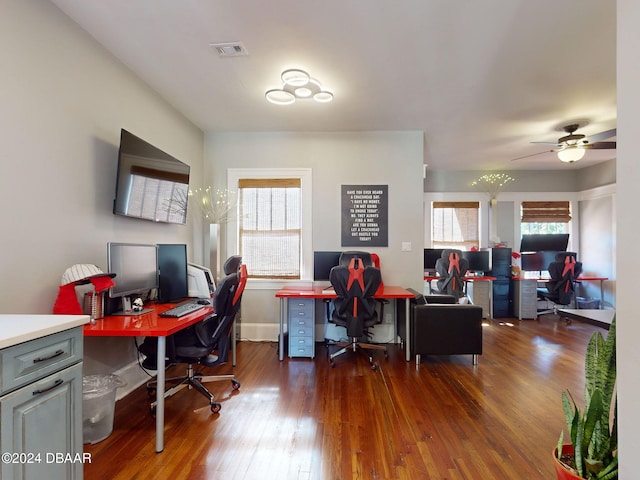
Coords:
pixel 182 310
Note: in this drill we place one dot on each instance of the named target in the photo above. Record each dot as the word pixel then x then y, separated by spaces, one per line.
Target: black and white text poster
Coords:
pixel 365 215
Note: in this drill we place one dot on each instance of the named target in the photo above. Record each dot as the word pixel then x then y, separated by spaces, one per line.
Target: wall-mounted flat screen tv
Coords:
pixel 151 184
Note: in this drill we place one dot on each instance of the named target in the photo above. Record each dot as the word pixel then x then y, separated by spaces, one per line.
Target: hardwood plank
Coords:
pixel 301 419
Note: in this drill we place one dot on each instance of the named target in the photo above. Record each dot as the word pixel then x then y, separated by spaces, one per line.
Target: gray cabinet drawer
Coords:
pixel 301 351
pixel 300 308
pixel 29 361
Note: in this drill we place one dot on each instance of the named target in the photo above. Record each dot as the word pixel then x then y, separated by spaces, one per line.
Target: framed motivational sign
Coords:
pixel 365 216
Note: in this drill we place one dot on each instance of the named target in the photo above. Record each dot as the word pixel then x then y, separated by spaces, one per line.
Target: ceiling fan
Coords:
pixel 571 147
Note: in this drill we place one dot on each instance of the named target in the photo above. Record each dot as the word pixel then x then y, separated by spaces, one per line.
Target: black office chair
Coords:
pixel 194 345
pixel 354 305
pixel 451 269
pixel 560 289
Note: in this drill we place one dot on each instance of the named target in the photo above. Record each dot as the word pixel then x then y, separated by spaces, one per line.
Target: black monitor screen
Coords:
pixel 431 255
pixel 532 262
pixel 135 266
pixel 538 242
pixel 323 262
pixel 479 260
pixel 172 271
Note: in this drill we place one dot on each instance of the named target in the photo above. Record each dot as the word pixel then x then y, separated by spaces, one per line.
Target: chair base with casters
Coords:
pixel 356 346
pixel 196 380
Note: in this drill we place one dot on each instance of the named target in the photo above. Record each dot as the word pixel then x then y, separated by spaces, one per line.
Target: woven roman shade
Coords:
pixel 270 226
pixel 455 224
pixel 541 212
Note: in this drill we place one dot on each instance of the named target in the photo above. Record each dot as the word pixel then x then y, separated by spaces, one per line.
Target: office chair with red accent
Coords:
pixel 207 342
pixel 451 269
pixel 560 289
pixel 354 306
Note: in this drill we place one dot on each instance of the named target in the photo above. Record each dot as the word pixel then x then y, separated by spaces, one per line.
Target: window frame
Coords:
pixel 306 221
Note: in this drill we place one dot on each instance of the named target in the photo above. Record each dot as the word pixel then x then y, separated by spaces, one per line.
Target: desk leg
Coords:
pixel 601 294
pixel 162 347
pixel 281 336
pixel 407 340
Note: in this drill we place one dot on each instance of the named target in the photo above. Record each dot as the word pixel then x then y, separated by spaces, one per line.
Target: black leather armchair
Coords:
pixel 440 326
pixel 354 305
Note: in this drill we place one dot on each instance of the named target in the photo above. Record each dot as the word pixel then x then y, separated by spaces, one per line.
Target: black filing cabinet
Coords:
pixel 501 269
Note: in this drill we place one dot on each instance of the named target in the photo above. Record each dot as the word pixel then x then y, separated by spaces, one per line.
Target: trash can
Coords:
pixel 588 303
pixel 98 406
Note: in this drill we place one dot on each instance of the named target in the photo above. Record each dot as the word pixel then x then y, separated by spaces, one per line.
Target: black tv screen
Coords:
pixel 150 184
pixel 172 272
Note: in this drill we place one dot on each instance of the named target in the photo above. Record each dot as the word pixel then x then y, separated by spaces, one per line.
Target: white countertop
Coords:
pixel 20 328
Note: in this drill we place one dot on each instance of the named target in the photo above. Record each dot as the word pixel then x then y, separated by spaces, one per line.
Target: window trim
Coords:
pixel 305 176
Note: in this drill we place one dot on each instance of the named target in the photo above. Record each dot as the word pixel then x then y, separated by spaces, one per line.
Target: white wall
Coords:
pixel 628 232
pixel 63 102
pixel 389 158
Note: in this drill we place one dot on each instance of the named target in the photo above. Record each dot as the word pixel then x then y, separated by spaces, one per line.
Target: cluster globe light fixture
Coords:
pixel 298 85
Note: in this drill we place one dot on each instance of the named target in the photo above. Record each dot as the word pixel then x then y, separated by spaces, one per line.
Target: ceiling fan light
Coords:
pixel 295 77
pixel 280 97
pixel 571 154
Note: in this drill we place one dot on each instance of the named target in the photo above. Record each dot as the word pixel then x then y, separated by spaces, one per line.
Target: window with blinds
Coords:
pixel 545 217
pixel 455 225
pixel 269 231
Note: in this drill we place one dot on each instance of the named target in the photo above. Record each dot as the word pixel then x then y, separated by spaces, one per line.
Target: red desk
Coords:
pixel 321 293
pixel 148 325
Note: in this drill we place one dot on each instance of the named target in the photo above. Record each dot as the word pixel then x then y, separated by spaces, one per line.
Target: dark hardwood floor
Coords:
pixel 302 419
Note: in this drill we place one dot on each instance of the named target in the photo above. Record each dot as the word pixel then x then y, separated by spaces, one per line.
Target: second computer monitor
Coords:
pixel 479 260
pixel 172 272
pixel 323 262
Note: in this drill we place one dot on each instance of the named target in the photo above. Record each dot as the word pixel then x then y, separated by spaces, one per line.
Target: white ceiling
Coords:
pixel 481 79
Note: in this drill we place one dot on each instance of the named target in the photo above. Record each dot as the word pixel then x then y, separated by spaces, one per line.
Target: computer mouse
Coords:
pixel 203 302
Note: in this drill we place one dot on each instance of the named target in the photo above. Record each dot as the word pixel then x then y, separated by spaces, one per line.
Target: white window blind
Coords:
pixel 455 225
pixel 270 226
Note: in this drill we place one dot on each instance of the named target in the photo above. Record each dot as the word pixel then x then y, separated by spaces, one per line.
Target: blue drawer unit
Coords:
pixel 301 327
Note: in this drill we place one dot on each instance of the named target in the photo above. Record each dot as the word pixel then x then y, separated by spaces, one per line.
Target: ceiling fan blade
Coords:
pixel 600 145
pixel 547 143
pixel 602 136
pixel 532 155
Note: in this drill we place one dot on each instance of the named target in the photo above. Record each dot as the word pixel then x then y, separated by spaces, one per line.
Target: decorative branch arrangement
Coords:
pixel 492 183
pixel 214 205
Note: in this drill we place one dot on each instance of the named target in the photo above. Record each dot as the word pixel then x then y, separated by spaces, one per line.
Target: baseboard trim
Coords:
pixel 133 376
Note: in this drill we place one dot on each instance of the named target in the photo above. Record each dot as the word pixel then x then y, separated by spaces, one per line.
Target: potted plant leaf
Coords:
pixel 593 451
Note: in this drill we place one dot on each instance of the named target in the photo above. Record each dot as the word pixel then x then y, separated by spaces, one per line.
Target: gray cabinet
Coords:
pixel 525 299
pixel 41 407
pixel 301 327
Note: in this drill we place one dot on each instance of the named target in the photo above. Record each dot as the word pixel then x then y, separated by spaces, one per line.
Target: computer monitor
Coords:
pixel 532 262
pixel 431 256
pixel 323 262
pixel 172 272
pixel 479 260
pixel 136 269
pixel 549 242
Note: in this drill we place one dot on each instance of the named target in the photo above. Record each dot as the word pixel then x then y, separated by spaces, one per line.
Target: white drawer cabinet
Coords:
pixel 41 407
pixel 301 327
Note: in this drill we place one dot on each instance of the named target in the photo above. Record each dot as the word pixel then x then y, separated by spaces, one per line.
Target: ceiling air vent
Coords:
pixel 235 49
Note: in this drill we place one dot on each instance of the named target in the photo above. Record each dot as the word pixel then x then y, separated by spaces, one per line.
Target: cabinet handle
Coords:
pixel 55 384
pixel 57 353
